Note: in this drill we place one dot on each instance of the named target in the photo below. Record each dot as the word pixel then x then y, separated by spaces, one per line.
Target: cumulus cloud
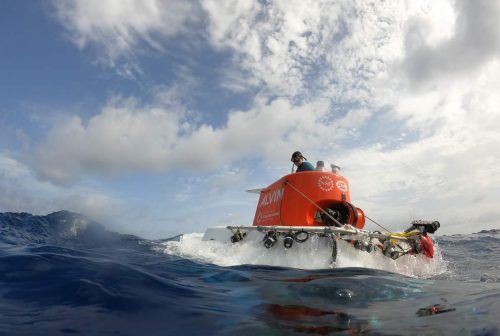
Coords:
pixel 306 49
pixel 118 29
pixel 474 41
pixel 450 166
pixel 127 136
pixel 21 191
pixel 300 50
pixel 442 177
pixel 322 72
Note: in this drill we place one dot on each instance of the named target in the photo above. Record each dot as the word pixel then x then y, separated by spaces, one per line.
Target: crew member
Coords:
pixel 300 161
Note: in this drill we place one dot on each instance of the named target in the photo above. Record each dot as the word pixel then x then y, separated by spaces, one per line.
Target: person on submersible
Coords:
pixel 301 162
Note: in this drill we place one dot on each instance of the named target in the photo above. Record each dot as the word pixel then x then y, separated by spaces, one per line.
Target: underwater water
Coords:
pixel 64 274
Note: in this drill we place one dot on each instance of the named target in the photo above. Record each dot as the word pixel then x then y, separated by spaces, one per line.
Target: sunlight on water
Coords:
pixel 313 254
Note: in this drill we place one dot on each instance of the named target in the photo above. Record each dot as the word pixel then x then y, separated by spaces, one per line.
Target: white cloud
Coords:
pixel 128 137
pixel 299 49
pixel 453 162
pixel 117 28
pixel 303 49
pixel 21 191
pixel 475 40
pixel 121 138
pixel 331 68
pixel 227 179
pixel 290 49
pixel 12 169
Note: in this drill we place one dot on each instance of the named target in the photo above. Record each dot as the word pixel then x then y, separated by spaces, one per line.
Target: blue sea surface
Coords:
pixel 63 274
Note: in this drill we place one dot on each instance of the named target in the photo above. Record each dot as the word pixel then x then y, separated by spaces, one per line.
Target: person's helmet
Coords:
pixel 297 155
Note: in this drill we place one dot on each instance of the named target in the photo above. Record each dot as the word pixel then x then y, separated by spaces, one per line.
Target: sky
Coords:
pixel 155 116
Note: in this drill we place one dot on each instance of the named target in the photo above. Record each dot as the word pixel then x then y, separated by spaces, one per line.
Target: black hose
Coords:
pixel 334 249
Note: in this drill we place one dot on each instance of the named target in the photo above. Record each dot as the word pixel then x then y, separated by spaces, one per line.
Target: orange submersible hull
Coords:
pixel 318 203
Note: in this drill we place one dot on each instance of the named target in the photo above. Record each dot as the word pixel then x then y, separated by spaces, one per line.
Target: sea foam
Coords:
pixel 315 253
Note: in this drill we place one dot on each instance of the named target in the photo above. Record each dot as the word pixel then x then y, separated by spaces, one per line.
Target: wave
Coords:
pixel 63 273
pixel 63 228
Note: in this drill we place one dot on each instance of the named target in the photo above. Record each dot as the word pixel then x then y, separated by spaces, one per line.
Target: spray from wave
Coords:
pixel 313 254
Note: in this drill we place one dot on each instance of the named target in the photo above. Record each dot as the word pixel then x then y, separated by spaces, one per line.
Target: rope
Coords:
pixel 377 224
pixel 326 213
pixel 313 203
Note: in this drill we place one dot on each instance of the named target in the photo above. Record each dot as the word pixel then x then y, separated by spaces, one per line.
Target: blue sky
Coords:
pixel 155 116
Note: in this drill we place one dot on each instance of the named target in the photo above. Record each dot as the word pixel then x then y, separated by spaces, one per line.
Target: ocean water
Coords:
pixel 63 274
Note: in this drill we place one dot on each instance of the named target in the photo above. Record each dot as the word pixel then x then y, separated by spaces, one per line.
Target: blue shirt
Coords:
pixel 305 166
